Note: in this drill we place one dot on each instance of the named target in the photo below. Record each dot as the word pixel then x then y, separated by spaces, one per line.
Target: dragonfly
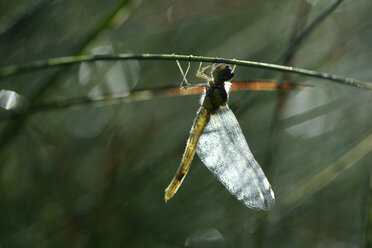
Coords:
pixel 218 140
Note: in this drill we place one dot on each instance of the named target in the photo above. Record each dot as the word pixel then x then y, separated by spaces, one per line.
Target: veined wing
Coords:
pixel 224 150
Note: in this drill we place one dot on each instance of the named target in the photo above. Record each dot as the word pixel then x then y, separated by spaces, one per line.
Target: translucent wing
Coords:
pixel 224 150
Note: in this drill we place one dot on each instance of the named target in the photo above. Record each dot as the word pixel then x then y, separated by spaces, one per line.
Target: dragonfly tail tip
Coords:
pixel 168 195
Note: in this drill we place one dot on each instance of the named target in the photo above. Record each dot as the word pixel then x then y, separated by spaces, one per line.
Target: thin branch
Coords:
pixel 145 95
pixel 13 129
pixel 20 14
pixel 306 32
pixel 308 187
pixel 63 61
pixel 303 10
pixel 368 237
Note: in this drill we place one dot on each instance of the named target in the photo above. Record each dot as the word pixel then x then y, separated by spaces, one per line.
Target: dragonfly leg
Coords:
pixel 201 72
pixel 213 67
pixel 233 69
pixel 184 84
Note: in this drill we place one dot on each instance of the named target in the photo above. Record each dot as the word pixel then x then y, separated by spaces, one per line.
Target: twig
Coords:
pixel 308 187
pixel 368 237
pixel 62 61
pixel 147 94
pixel 12 129
pixel 306 32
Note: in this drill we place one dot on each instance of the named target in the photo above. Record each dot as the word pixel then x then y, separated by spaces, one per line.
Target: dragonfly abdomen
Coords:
pixel 201 121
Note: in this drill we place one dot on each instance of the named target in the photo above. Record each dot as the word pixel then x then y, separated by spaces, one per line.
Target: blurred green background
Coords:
pixel 94 176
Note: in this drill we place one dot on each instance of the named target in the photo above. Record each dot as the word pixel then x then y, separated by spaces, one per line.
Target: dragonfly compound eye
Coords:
pixel 222 72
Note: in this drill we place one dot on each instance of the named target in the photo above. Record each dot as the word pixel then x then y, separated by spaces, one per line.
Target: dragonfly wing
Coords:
pixel 224 150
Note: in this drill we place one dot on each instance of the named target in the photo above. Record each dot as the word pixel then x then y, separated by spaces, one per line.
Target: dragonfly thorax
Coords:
pixel 215 96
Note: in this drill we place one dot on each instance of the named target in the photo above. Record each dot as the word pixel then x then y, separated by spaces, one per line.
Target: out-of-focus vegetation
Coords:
pixel 94 176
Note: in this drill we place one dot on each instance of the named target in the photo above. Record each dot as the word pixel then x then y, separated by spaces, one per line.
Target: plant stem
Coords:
pixel 295 43
pixel 368 237
pixel 62 61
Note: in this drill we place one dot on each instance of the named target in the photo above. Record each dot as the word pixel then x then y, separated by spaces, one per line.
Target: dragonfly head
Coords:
pixel 222 73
